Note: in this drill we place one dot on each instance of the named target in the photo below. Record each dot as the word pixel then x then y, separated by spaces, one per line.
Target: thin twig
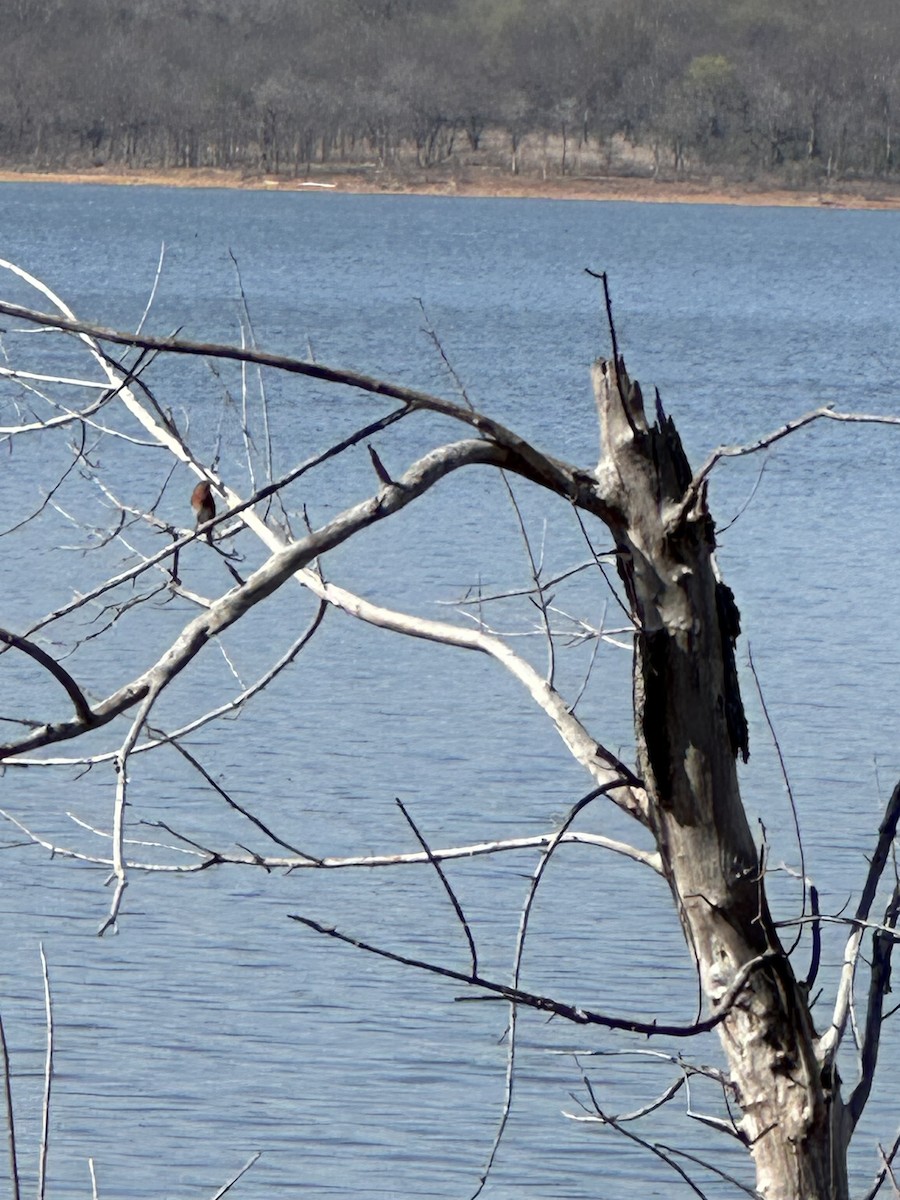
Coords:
pixel 229 800
pixel 601 566
pixel 457 907
pixel 243 1171
pixel 886 1160
pixel 540 600
pixel 77 460
pixel 708 1166
pixel 48 1078
pixel 10 1116
pixel 824 413
pixel 119 862
pixel 431 334
pixel 153 290
pixel 790 791
pixel 546 854
pixel 595 650
pixel 655 1150
pixel 720 529
pixel 475 596
pixel 644 1111
pixel 264 404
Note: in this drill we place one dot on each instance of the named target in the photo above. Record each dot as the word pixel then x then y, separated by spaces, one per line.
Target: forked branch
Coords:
pixel 831 1039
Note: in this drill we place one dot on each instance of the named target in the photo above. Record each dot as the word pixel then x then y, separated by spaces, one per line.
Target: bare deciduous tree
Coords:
pixel 679 618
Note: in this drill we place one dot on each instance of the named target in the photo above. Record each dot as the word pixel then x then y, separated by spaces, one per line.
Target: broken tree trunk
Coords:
pixel 690 727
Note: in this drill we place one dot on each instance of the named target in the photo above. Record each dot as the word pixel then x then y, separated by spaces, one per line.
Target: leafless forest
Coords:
pixel 792 90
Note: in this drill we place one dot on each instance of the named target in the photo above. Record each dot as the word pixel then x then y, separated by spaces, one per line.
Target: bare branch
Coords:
pixel 119 864
pixel 431 334
pixel 380 469
pixel 48 1079
pixel 232 803
pixel 78 457
pixel 457 907
pixel 10 1115
pixel 579 1016
pixel 350 862
pixel 815 956
pixel 883 942
pixel 532 463
pixel 708 1166
pixel 264 404
pixel 68 417
pixel 825 413
pixel 243 1171
pixel 787 786
pixel 230 706
pixel 154 288
pixel 540 599
pixel 263 582
pixel 614 1123
pixel 644 1111
pixel 830 1040
pixel 886 1160
pixel 576 808
pixel 60 674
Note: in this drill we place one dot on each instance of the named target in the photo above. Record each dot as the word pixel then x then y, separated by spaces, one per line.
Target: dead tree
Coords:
pixel 689 718
pixel 690 728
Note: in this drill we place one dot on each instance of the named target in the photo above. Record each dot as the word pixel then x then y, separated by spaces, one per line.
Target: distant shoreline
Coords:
pixel 875 196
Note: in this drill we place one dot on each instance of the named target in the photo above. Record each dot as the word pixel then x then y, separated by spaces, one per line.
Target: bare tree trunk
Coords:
pixel 690 726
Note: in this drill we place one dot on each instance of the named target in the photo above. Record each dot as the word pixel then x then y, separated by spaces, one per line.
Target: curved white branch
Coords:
pixel 293 560
pixel 296 863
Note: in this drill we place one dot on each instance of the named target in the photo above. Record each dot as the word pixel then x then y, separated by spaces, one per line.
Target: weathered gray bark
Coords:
pixel 690 728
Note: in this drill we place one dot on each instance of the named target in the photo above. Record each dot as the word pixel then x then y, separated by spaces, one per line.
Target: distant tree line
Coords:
pixel 804 89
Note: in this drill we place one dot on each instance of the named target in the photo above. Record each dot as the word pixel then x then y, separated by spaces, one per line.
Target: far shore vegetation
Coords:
pixel 762 100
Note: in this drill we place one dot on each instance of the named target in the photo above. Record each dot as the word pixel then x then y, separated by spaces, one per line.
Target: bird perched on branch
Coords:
pixel 204 506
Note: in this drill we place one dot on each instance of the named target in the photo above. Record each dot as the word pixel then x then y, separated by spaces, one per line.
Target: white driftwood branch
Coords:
pixel 48 1079
pixel 602 766
pixel 303 862
pixel 119 866
pixel 831 1039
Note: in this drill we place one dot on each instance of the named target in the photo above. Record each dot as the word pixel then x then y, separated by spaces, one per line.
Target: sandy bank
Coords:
pixel 860 196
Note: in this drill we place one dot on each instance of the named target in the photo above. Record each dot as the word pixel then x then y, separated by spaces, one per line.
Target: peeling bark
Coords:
pixel 690 727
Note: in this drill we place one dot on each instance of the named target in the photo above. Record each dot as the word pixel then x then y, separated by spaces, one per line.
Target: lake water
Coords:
pixel 212 1026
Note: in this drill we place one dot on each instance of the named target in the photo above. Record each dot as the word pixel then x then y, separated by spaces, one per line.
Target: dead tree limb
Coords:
pixel 83 713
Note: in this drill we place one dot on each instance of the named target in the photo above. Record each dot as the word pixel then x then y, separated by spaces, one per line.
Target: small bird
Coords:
pixel 204 506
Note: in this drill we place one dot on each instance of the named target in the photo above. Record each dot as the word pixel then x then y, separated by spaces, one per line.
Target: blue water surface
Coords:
pixel 212 1026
